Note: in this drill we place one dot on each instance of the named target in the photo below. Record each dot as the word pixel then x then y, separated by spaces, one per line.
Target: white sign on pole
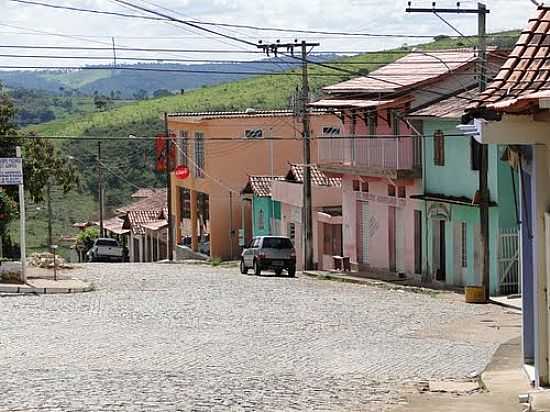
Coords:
pixel 11 171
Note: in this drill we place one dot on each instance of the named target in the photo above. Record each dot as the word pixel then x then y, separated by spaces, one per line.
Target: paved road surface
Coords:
pixel 174 337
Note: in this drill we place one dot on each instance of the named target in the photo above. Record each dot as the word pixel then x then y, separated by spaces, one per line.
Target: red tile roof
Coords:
pixel 157 201
pixel 449 108
pixel 411 70
pixel 251 113
pixel 318 178
pixel 260 185
pixel 525 76
pixel 135 219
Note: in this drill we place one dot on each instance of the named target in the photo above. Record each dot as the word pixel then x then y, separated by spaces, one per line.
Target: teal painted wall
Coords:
pixel 269 209
pixel 456 178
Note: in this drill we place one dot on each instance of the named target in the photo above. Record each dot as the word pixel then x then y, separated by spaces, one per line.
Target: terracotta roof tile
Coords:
pixel 526 71
pixel 450 108
pixel 261 185
pixel 318 177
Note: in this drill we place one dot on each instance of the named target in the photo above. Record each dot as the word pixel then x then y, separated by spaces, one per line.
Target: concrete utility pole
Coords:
pixel 100 188
pixel 307 211
pixel 50 212
pixel 170 240
pixel 484 195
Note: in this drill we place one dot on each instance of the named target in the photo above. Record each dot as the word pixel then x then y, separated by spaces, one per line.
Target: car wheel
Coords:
pixel 257 268
pixel 292 271
pixel 278 272
pixel 244 269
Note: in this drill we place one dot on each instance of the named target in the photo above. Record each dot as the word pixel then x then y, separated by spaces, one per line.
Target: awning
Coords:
pixel 454 200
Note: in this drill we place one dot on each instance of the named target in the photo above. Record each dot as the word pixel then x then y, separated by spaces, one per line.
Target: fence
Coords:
pixel 508 261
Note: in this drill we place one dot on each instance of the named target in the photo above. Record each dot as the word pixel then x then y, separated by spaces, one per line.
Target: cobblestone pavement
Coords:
pixel 197 338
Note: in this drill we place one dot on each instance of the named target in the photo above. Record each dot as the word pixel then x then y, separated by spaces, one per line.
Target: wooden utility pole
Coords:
pixel 307 211
pixel 100 188
pixel 484 195
pixel 50 211
pixel 170 240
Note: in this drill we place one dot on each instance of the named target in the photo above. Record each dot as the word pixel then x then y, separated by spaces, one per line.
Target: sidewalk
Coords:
pixel 504 380
pixel 40 281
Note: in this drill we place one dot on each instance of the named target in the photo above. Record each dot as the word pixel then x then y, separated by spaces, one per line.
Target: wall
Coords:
pixel 228 164
pixel 271 210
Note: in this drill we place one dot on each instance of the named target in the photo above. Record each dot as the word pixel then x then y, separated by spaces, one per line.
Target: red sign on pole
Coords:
pixel 160 151
pixel 182 172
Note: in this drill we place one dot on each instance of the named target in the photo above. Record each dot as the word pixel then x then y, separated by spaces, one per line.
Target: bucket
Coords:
pixel 474 294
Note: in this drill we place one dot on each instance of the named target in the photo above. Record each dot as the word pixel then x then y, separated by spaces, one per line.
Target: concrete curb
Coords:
pixel 503 304
pixel 372 282
pixel 25 289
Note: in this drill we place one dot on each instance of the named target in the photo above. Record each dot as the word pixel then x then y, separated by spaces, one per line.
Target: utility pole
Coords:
pixel 170 240
pixel 307 211
pixel 50 213
pixel 100 187
pixel 484 195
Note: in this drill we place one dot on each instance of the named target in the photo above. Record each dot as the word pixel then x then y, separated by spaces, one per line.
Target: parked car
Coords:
pixel 269 253
pixel 105 249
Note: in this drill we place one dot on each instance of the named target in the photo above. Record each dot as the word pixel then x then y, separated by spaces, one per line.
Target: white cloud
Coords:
pixel 374 16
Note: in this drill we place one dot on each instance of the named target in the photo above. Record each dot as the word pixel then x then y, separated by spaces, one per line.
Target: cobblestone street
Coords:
pixel 194 337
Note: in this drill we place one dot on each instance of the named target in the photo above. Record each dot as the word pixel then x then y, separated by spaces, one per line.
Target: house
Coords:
pixel 451 226
pixel 221 150
pixel 379 155
pixel 326 195
pixel 514 111
pixel 266 212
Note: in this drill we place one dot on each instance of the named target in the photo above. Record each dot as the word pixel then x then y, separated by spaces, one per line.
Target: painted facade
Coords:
pixel 451 226
pixel 246 143
pixel 326 195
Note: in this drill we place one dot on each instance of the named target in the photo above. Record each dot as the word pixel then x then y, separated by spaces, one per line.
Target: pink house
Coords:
pixel 378 154
pixel 326 198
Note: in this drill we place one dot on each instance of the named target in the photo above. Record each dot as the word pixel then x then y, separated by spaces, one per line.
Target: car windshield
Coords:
pixel 106 242
pixel 277 243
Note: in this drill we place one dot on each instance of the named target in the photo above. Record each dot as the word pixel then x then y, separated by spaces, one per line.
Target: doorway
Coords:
pixel 439 250
pixel 392 238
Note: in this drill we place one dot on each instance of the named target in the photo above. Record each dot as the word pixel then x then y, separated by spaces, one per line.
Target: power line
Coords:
pixel 161 17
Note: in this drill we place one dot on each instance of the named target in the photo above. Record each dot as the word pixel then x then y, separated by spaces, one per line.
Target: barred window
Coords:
pixel 330 131
pixel 199 154
pixel 253 133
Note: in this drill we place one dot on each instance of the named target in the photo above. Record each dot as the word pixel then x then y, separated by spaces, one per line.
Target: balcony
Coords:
pixel 395 157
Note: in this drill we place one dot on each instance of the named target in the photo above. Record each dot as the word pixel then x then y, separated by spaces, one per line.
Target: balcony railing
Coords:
pixel 395 153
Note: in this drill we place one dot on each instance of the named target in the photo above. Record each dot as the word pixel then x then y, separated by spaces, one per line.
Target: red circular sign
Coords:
pixel 182 172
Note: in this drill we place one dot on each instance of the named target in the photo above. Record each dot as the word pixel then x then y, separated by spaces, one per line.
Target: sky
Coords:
pixel 22 24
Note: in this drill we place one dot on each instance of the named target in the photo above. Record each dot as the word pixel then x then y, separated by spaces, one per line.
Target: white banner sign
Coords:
pixel 11 171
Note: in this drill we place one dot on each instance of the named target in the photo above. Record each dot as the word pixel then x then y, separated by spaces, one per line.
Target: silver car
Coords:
pixel 269 253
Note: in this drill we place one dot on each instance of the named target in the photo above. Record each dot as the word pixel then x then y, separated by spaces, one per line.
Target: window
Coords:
pixel 372 122
pixel 439 148
pixel 199 154
pixel 277 243
pixel 330 131
pixel 185 203
pixel 475 153
pixel 365 187
pixel 253 133
pixel 261 220
pixel 402 192
pixel 356 186
pixel 391 190
pixel 183 149
pixel 464 244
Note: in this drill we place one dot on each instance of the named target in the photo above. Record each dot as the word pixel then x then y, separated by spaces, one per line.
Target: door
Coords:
pixel 441 272
pixel 417 241
pixel 362 232
pixel 392 238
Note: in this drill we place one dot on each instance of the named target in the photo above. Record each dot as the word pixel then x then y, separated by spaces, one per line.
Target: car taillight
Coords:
pixel 293 253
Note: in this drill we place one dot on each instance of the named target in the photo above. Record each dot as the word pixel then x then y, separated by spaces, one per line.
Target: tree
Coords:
pixel 45 165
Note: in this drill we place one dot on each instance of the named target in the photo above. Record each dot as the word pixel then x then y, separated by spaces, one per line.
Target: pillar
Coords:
pixel 194 219
pixel 141 249
pixel 541 203
pixel 131 247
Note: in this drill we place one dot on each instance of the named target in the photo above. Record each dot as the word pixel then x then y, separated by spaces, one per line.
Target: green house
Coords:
pixel 266 213
pixel 451 219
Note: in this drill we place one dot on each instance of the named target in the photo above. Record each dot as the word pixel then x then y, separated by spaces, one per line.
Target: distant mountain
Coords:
pixel 143 80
